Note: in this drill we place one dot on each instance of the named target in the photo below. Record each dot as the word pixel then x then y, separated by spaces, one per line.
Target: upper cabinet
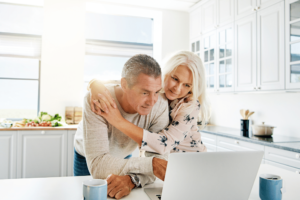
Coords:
pixel 244 8
pixel 209 16
pixel 270 48
pixel 195 23
pixel 245 56
pixel 292 44
pixel 225 12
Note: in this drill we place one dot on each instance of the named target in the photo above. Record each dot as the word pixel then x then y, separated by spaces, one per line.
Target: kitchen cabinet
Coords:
pixel 210 141
pixel 292 41
pixel 225 12
pixel 237 145
pixel 245 53
pixel 195 23
pixel 209 16
pixel 71 135
pixel 8 154
pixel 41 154
pixel 209 59
pixel 282 156
pixel 225 62
pixel 195 46
pixel 293 169
pixel 244 8
pixel 270 48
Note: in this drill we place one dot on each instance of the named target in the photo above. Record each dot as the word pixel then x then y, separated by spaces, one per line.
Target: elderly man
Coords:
pixel 100 148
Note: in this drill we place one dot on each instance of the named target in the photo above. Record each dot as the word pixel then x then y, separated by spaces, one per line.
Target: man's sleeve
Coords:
pixel 96 146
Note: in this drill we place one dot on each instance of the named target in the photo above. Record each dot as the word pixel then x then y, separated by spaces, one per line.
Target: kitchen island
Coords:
pixel 63 188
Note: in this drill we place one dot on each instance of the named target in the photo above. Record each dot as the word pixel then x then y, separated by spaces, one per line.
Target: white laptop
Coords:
pixel 209 176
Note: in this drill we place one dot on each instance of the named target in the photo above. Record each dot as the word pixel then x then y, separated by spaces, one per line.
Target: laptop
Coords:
pixel 209 176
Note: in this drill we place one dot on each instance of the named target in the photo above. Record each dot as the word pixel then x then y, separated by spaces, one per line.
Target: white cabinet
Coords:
pixel 293 169
pixel 71 135
pixel 225 12
pixel 244 8
pixel 292 17
pixel 8 154
pixel 261 4
pixel 245 54
pixel 224 61
pixel 209 16
pixel 210 141
pixel 42 154
pixel 195 23
pixel 270 48
pixel 284 157
pixel 237 145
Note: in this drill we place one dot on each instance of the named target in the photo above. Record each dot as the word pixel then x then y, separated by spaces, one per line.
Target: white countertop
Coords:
pixel 65 188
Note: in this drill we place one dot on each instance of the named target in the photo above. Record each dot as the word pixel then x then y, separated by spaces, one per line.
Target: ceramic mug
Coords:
pixel 95 189
pixel 270 187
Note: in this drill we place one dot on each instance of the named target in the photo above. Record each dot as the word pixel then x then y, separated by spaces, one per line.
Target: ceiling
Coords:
pixel 181 5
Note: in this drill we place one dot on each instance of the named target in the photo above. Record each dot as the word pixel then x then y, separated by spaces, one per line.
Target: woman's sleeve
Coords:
pixel 167 139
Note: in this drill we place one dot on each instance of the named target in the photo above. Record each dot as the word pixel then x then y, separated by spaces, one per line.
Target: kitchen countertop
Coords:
pixel 276 141
pixel 61 188
pixel 66 127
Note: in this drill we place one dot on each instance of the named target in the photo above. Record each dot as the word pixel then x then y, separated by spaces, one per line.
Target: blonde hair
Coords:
pixel 194 63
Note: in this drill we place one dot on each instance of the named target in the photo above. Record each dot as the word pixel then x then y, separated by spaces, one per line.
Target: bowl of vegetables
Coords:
pixel 6 123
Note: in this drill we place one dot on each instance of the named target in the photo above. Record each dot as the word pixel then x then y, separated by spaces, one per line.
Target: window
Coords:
pixel 111 41
pixel 20 52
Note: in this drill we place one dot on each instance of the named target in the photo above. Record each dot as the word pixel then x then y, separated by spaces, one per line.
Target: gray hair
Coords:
pixel 140 63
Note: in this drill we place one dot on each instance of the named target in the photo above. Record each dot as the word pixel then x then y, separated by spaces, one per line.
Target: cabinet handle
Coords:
pixel 297 156
pixel 258 8
pixel 254 9
pixel 297 172
pixel 43 132
pixel 236 142
pixel 254 88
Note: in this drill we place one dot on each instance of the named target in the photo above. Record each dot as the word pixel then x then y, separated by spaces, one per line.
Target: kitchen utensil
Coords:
pixel 246 113
pixel 249 114
pixel 242 111
pixel 262 130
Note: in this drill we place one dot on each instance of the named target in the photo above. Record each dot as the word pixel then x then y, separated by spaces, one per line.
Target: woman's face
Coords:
pixel 178 83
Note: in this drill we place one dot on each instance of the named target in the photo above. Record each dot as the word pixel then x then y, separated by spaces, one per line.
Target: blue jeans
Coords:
pixel 80 167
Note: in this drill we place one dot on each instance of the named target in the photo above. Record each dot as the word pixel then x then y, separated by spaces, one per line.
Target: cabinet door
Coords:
pixel 225 12
pixel 42 154
pixel 261 4
pixel 195 23
pixel 296 170
pixel 210 141
pixel 244 8
pixel 208 16
pixel 225 62
pixel 209 59
pixel 282 156
pixel 71 135
pixel 8 154
pixel 237 145
pixel 292 44
pixel 270 48
pixel 245 54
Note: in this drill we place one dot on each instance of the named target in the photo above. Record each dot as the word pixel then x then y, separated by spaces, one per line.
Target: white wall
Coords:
pixel 277 109
pixel 64 47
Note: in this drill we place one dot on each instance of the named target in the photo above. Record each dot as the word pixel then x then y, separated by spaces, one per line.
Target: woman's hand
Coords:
pixel 112 115
pixel 99 105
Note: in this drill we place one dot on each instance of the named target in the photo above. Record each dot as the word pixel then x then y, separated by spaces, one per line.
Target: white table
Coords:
pixel 70 188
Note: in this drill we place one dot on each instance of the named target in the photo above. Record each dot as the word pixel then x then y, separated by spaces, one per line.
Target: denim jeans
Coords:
pixel 80 166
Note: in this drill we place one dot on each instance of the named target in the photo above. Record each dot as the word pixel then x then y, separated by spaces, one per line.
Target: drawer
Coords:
pixel 293 169
pixel 237 145
pixel 209 138
pixel 222 149
pixel 284 157
pixel 210 147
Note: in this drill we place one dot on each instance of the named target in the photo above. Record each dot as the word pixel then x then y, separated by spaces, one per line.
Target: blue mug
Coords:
pixel 270 187
pixel 95 189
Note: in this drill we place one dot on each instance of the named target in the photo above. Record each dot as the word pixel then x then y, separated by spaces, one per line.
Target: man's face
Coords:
pixel 143 94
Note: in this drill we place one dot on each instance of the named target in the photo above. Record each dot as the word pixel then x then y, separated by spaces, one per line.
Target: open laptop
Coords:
pixel 209 176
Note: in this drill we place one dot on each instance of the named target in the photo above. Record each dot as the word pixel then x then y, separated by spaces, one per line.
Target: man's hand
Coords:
pixel 119 186
pixel 159 168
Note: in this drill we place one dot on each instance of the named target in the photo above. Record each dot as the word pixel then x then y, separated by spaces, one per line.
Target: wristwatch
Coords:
pixel 135 180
